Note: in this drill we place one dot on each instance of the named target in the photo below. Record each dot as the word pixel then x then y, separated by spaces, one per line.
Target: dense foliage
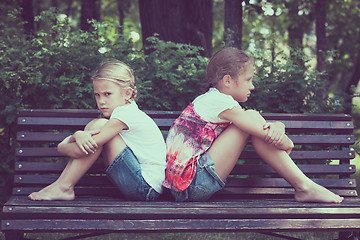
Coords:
pixel 52 69
pixel 283 84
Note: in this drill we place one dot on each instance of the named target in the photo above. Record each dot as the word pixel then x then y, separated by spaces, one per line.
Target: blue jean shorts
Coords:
pixel 125 173
pixel 205 183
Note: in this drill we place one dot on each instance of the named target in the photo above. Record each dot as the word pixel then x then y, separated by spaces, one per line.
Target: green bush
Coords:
pixel 172 75
pixel 289 85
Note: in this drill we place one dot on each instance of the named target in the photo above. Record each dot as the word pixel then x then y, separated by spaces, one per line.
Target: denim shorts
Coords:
pixel 125 173
pixel 205 183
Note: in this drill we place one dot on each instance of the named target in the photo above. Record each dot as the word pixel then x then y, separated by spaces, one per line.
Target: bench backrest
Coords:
pixel 322 151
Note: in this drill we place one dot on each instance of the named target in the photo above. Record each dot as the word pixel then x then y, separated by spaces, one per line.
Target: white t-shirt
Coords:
pixel 146 141
pixel 210 104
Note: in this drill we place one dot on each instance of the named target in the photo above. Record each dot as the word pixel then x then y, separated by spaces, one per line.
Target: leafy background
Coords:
pixel 52 69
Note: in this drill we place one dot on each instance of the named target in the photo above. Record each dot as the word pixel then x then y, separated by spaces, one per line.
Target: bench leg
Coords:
pixel 349 236
pixel 14 236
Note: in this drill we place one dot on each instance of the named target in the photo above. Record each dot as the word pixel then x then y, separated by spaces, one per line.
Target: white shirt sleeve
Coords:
pixel 125 114
pixel 212 103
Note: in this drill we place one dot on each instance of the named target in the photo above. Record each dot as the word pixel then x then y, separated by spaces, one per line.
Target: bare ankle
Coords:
pixel 65 187
pixel 315 193
pixel 304 186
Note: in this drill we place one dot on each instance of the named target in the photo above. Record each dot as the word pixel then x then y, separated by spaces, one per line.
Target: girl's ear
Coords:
pixel 227 80
pixel 128 93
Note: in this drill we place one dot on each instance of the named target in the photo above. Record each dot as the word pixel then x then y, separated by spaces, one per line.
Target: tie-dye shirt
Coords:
pixel 189 137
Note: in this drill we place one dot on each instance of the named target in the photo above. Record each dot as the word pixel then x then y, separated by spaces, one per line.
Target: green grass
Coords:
pixel 186 236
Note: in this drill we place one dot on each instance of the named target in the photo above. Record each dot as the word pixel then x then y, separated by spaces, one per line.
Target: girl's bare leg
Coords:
pixel 63 173
pixel 63 187
pixel 305 189
pixel 223 150
pixel 112 149
pixel 227 148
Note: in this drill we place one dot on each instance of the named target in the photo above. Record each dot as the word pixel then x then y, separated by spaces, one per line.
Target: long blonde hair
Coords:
pixel 117 72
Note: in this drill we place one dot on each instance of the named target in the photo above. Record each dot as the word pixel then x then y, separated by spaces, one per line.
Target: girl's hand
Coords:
pixel 85 141
pixel 285 144
pixel 276 132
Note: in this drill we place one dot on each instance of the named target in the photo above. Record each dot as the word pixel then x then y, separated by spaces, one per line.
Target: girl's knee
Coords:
pixel 96 124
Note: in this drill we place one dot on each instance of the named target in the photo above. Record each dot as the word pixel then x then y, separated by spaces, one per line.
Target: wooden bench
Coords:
pixel 255 199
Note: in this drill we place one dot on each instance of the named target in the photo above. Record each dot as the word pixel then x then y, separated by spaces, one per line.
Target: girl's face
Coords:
pixel 243 85
pixel 110 95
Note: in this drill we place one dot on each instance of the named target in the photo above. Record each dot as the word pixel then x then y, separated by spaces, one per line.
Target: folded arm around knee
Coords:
pixel 96 134
pixel 253 123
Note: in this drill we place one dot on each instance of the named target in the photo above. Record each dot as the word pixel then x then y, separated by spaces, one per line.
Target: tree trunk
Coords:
pixel 185 21
pixel 200 25
pixel 354 81
pixel 69 5
pixel 233 23
pixel 54 3
pixel 28 16
pixel 296 32
pixel 121 11
pixel 295 29
pixel 90 9
pixel 320 21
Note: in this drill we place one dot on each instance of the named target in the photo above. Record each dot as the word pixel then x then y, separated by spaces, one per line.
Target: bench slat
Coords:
pixel 244 169
pixel 340 140
pixel 221 225
pixel 318 169
pixel 102 180
pixel 169 211
pixel 103 201
pixel 71 123
pixel 295 155
pixel 94 113
pixel 224 194
pixel 272 192
pixel 322 139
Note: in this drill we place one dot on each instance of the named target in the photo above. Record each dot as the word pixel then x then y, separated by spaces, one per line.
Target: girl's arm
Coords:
pixel 254 124
pixel 275 131
pixel 79 145
pixel 84 141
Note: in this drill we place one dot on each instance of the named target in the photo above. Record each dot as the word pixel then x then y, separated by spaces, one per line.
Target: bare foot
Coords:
pixel 53 192
pixel 317 193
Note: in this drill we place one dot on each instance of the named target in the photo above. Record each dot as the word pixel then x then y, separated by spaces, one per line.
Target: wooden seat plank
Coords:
pixel 244 169
pixel 180 225
pixel 341 140
pixel 295 155
pixel 103 201
pixel 71 123
pixel 172 212
pixel 226 193
pixel 101 180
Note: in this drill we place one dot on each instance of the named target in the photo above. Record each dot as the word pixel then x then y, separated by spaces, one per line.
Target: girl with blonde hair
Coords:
pixel 130 142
